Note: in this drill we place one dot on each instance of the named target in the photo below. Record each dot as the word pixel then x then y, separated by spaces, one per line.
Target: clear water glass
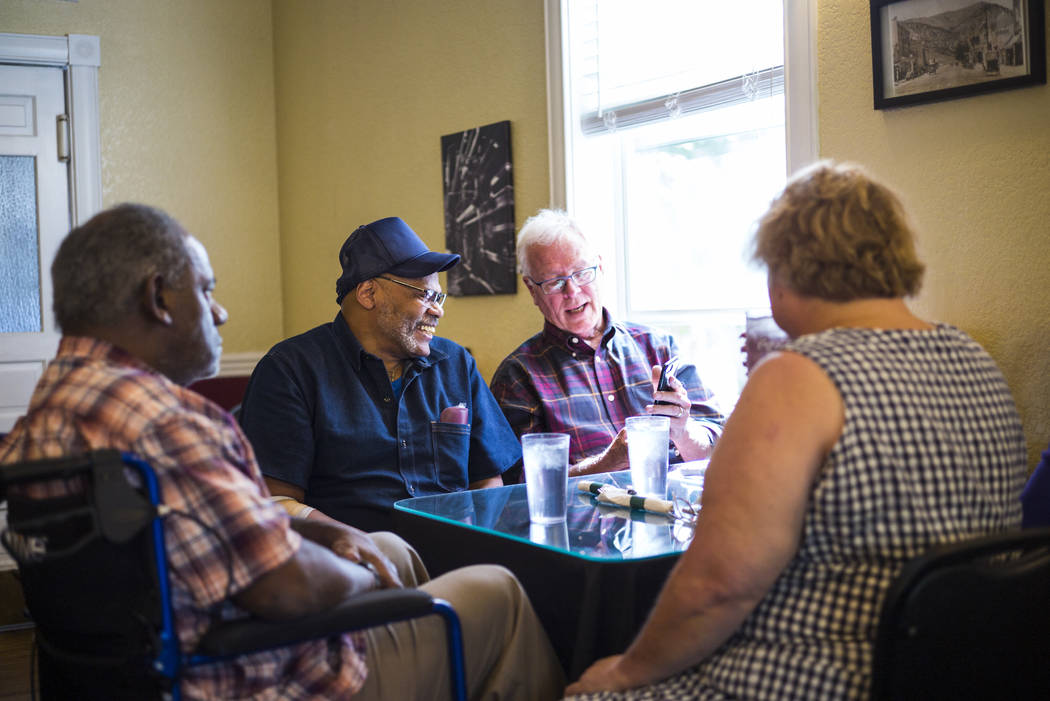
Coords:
pixel 546 457
pixel 648 441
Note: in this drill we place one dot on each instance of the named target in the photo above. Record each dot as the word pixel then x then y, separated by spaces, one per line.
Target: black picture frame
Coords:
pixel 478 188
pixel 930 50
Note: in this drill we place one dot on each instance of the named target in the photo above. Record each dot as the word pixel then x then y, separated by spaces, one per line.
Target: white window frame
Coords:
pixel 801 149
pixel 800 88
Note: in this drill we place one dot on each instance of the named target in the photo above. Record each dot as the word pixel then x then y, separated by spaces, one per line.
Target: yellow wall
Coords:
pixel 186 105
pixel 365 91
pixel 975 173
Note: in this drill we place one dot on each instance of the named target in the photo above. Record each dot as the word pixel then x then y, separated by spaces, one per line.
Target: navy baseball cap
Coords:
pixel 386 246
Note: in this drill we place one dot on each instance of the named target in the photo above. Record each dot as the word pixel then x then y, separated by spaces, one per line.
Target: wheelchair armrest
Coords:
pixel 366 610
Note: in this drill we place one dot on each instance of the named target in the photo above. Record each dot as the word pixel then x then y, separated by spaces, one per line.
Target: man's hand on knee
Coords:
pixel 351 543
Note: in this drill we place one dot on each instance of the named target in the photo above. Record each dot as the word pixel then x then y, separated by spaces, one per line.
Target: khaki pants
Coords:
pixel 508 655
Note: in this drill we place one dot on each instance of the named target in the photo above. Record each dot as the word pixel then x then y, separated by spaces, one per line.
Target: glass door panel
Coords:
pixel 20 263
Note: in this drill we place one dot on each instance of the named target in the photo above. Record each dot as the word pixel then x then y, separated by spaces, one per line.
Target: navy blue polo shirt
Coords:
pixel 321 414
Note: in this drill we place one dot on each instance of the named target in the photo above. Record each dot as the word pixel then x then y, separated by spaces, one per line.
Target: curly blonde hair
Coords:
pixel 836 234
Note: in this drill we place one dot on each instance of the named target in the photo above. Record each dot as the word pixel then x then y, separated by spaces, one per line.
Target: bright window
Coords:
pixel 670 129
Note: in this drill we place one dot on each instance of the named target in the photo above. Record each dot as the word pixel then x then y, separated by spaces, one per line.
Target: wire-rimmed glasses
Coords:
pixel 684 510
pixel 554 285
pixel 430 297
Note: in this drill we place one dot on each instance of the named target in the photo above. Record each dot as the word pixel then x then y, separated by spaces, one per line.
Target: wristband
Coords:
pixel 293 507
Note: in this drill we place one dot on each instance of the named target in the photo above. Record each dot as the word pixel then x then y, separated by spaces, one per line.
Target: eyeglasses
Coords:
pixel 554 285
pixel 431 297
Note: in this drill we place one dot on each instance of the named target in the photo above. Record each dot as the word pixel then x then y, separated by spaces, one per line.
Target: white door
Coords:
pixel 34 217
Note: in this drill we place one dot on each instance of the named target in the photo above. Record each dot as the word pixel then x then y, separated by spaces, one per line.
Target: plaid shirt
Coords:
pixel 556 382
pixel 94 395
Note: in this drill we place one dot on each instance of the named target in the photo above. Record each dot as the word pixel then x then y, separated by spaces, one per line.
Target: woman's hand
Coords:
pixel 603 675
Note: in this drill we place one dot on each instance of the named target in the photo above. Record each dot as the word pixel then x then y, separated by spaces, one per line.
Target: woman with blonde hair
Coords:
pixel 870 437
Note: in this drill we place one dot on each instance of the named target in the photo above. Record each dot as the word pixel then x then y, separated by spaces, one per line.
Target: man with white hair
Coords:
pixel 585 372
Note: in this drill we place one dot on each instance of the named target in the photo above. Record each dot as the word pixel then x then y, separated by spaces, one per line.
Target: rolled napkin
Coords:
pixel 621 497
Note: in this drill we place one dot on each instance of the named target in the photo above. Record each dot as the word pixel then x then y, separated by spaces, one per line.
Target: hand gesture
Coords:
pixel 603 675
pixel 677 405
pixel 353 544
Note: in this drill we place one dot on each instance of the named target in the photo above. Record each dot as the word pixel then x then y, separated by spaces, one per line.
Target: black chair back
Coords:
pixel 969 620
pixel 85 559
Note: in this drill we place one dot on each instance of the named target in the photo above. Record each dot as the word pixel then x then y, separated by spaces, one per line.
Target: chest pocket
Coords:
pixel 450 445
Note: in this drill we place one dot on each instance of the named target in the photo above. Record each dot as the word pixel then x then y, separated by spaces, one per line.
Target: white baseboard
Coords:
pixel 236 364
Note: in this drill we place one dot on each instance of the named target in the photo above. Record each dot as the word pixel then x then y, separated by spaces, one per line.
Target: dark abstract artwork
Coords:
pixel 479 210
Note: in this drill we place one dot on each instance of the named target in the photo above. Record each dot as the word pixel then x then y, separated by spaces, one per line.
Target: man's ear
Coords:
pixel 154 299
pixel 534 290
pixel 365 294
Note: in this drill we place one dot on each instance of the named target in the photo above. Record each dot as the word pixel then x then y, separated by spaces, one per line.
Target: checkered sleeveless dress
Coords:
pixel 931 451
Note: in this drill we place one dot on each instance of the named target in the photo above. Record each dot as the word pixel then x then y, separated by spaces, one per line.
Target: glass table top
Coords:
pixel 592 530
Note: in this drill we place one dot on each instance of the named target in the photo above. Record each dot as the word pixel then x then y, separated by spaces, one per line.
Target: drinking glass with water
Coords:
pixel 546 458
pixel 648 439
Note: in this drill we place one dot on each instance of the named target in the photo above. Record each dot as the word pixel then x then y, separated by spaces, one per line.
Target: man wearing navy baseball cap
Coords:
pixel 373 407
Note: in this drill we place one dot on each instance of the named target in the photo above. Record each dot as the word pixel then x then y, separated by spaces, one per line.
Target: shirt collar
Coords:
pixel 357 352
pixel 97 349
pixel 561 338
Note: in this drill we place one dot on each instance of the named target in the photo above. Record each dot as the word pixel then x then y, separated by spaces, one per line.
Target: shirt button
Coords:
pixel 404 444
pixel 386 399
pixel 575 340
pixel 611 397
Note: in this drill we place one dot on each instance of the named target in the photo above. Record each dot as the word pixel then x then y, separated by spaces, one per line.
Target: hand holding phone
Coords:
pixel 664 383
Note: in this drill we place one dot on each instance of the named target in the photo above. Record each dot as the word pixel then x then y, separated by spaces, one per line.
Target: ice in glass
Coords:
pixel 648 439
pixel 546 457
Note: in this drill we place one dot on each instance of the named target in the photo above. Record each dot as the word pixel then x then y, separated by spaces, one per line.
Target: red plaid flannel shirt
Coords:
pixel 94 395
pixel 555 382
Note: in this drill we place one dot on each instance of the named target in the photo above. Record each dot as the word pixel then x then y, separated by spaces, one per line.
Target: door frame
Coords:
pixel 79 55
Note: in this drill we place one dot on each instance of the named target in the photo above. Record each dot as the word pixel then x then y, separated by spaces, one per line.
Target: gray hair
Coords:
pixel 102 265
pixel 547 227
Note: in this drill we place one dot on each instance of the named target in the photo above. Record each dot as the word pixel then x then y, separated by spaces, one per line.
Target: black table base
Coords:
pixel 589 608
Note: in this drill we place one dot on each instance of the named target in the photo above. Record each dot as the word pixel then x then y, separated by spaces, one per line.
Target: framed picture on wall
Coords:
pixel 926 50
pixel 479 210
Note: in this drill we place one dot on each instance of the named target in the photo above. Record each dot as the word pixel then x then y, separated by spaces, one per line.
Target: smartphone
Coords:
pixel 664 384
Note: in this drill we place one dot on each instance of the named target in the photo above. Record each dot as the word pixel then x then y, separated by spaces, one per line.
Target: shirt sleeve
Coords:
pixel 276 417
pixel 494 447
pixel 516 395
pixel 222 533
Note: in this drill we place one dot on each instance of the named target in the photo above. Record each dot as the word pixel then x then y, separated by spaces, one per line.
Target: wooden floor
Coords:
pixel 15 646
pixel 16 641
